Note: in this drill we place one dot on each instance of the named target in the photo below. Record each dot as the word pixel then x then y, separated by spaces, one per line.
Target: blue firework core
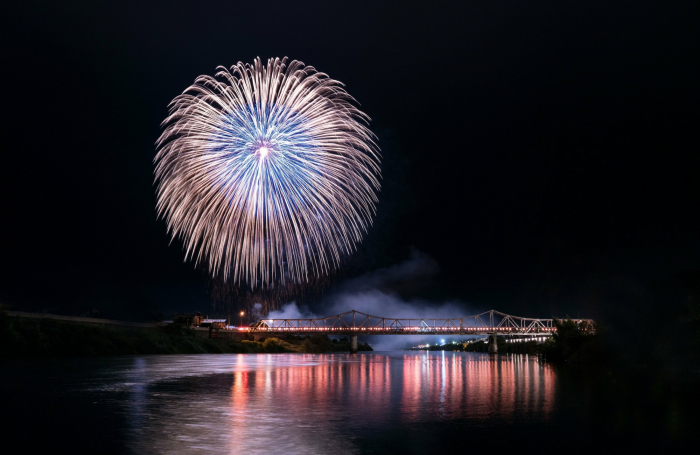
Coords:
pixel 271 151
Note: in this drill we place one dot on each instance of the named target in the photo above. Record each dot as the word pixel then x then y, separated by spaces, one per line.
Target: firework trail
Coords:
pixel 267 172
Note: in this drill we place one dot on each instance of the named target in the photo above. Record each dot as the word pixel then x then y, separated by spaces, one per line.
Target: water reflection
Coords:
pixel 318 403
pixel 476 387
pixel 371 403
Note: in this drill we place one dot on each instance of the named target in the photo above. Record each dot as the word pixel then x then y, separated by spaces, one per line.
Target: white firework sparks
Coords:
pixel 267 172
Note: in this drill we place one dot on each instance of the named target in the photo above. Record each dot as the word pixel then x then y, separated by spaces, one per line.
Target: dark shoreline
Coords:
pixel 25 337
pixel 569 344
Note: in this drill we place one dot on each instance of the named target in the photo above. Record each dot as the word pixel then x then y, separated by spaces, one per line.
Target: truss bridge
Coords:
pixel 358 323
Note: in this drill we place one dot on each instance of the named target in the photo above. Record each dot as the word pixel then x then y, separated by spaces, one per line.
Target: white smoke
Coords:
pixel 386 304
pixel 291 311
pixel 371 294
pixel 382 304
pixel 257 311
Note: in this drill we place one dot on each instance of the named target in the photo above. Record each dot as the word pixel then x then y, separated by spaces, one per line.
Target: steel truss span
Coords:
pixel 357 323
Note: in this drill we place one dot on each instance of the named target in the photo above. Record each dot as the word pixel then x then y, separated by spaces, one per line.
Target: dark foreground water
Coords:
pixel 393 402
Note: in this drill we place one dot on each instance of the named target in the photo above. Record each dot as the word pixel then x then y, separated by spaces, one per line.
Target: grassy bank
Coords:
pixel 22 337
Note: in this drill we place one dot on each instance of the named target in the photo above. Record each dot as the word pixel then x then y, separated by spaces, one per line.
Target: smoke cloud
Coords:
pixel 382 304
pixel 372 294
pixel 418 266
pixel 257 311
pixel 291 311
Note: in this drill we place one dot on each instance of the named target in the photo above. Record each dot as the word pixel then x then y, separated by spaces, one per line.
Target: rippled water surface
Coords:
pixel 393 402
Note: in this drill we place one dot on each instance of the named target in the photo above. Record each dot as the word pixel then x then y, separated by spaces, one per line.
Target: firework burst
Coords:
pixel 268 173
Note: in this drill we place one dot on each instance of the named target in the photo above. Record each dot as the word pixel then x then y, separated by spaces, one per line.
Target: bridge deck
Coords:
pixel 402 331
pixel 357 323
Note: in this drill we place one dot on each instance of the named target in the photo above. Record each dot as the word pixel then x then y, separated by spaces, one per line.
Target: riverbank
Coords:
pixel 23 337
pixel 569 344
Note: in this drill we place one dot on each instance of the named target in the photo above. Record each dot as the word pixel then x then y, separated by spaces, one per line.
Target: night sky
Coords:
pixel 545 156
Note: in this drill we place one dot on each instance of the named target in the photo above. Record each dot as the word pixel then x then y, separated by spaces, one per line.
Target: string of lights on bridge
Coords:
pixel 355 323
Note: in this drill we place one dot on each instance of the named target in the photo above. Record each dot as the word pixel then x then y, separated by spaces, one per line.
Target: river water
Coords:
pixel 380 402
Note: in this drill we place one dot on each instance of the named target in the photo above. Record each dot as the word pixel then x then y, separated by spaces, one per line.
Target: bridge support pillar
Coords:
pixel 353 344
pixel 493 344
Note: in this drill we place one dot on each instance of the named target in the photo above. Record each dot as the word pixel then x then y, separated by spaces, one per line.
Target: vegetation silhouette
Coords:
pixel 23 337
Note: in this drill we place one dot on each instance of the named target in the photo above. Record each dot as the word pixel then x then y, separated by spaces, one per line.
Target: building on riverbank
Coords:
pixel 188 319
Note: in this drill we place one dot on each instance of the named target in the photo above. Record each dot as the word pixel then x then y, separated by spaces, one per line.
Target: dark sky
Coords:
pixel 545 156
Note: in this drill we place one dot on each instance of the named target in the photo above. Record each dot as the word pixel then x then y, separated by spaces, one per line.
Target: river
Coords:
pixel 379 402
